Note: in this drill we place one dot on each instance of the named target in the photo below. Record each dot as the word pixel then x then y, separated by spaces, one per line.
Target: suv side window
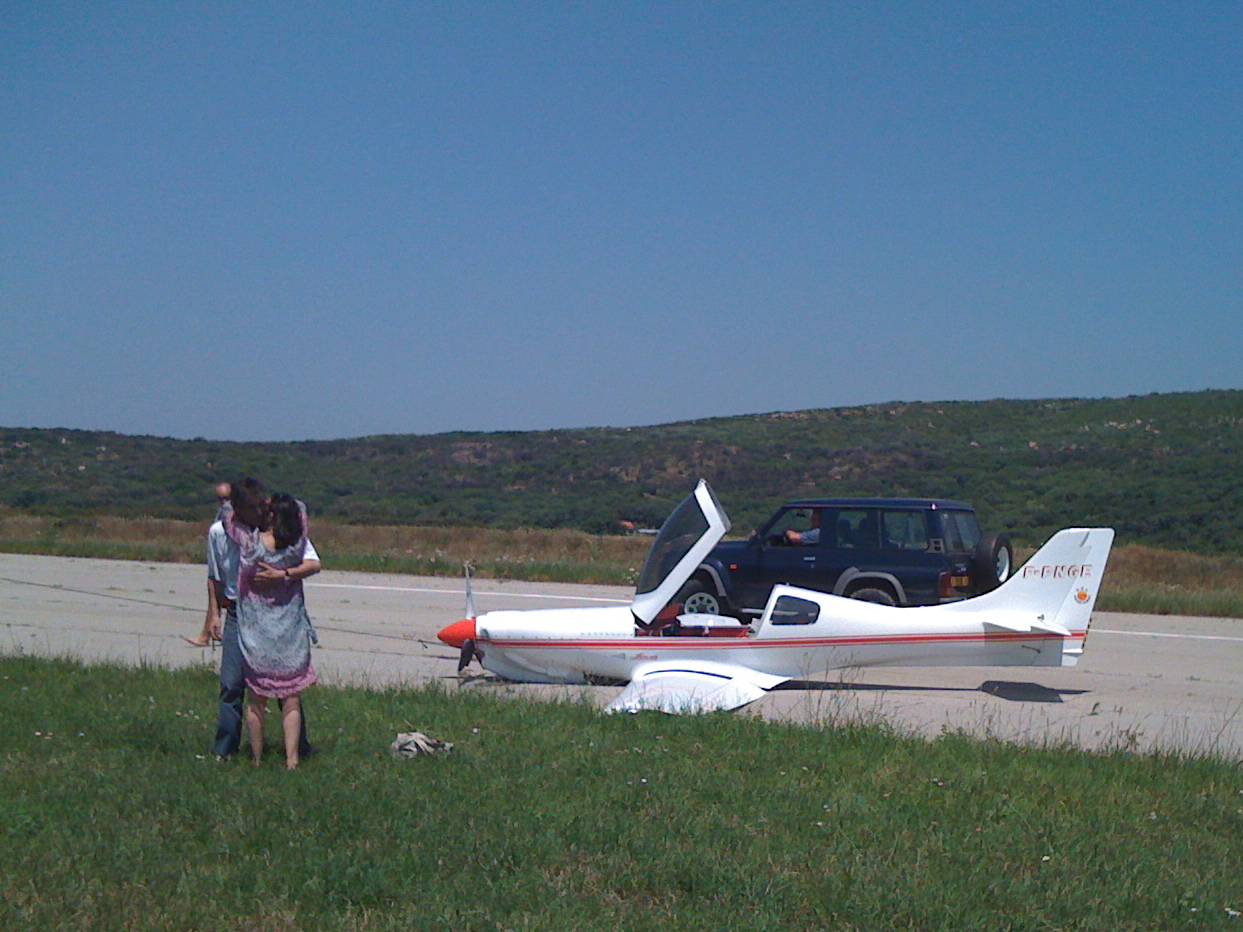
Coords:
pixel 962 531
pixel 904 530
pixel 857 529
pixel 801 520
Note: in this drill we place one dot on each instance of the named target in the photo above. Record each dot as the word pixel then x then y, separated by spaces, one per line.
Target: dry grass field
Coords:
pixel 539 555
pixel 1139 579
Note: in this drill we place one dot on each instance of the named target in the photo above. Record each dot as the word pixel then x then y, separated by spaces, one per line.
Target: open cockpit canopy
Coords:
pixel 685 539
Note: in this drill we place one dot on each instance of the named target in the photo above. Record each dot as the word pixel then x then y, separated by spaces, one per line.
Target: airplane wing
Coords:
pixel 692 687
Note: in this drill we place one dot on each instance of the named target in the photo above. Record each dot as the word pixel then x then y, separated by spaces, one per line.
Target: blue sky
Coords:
pixel 289 221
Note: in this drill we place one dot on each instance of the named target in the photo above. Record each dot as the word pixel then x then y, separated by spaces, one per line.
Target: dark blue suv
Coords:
pixel 897 551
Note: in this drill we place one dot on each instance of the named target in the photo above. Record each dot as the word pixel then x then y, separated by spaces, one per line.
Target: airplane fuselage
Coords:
pixel 572 645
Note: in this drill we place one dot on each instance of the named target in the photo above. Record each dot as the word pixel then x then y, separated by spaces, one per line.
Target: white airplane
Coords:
pixel 697 663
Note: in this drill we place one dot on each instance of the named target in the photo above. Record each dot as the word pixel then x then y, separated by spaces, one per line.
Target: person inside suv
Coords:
pixel 809 537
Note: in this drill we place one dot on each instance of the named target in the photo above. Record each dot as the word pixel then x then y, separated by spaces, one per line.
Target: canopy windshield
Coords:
pixel 686 537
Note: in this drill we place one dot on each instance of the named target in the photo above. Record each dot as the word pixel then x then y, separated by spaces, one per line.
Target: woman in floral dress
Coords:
pixel 274 629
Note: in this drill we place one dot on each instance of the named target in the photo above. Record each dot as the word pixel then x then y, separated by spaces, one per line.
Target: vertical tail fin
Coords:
pixel 1058 585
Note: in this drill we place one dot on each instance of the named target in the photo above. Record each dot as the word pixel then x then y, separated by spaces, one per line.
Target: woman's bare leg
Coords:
pixel 291 719
pixel 256 709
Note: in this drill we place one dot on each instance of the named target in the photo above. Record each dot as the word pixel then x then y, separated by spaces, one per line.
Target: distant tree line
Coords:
pixel 1160 468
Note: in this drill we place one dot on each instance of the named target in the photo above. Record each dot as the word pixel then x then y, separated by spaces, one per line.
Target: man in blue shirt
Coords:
pixel 809 537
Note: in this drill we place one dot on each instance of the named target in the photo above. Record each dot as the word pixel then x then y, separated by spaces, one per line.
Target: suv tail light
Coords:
pixel 948 582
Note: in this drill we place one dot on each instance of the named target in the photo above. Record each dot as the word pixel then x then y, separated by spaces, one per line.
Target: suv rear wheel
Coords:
pixel 871 594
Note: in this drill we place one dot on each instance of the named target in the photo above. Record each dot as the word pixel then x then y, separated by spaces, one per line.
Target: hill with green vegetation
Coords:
pixel 1162 469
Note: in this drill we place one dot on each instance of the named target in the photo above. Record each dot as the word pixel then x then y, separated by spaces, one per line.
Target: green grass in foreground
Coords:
pixel 556 817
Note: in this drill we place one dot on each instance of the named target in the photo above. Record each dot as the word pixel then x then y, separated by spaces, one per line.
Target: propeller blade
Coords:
pixel 470 598
pixel 467 655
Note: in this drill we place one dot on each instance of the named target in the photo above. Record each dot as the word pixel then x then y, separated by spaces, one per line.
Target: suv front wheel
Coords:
pixel 698 599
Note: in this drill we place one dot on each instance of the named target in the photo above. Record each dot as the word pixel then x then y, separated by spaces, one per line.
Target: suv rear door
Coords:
pixel 905 536
pixel 880 546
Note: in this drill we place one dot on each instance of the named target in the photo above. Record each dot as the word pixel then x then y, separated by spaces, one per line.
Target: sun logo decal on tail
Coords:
pixel 1081 596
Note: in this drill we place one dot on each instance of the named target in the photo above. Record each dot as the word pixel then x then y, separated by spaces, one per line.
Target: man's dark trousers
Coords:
pixel 233 694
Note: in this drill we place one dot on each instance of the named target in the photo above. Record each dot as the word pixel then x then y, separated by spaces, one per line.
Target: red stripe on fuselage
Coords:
pixel 693 643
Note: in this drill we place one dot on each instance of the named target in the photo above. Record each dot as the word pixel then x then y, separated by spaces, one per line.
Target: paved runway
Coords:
pixel 1144 682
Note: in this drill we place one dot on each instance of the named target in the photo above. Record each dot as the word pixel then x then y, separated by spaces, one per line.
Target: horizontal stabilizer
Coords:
pixel 1049 597
pixel 1038 626
pixel 692 687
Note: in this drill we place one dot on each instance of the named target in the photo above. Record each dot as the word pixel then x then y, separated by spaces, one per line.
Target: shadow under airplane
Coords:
pixel 1003 689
